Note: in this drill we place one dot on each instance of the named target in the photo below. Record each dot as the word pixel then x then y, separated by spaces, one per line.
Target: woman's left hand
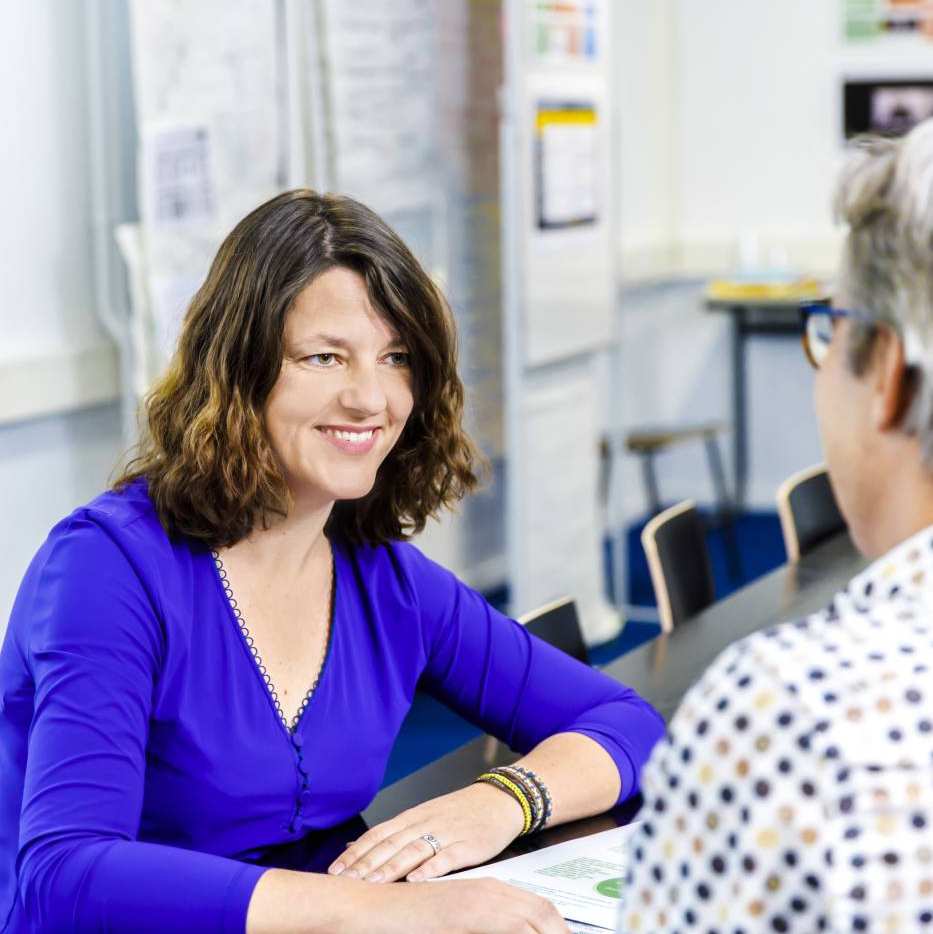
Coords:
pixel 471 825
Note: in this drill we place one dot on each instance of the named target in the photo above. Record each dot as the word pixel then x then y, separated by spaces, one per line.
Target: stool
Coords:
pixel 648 442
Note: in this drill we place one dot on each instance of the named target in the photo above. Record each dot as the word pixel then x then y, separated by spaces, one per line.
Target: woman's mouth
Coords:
pixel 351 440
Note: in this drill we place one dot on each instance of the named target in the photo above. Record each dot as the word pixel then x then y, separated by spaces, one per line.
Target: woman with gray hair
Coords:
pixel 794 791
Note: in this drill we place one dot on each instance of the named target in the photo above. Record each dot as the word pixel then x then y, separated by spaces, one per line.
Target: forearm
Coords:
pixel 580 775
pixel 287 902
pixel 473 824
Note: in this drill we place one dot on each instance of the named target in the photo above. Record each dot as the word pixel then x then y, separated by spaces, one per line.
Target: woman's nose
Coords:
pixel 364 393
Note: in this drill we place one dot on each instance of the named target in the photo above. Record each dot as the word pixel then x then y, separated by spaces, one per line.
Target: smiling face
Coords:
pixel 343 395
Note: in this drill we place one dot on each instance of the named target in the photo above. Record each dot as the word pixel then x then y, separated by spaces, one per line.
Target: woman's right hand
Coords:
pixel 457 906
pixel 288 902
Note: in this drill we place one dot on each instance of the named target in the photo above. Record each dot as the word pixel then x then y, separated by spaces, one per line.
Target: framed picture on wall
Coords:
pixel 889 107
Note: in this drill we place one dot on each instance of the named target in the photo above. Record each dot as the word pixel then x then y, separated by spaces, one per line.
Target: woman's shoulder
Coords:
pixel 121 506
pixel 126 516
pixel 118 533
pixel 111 552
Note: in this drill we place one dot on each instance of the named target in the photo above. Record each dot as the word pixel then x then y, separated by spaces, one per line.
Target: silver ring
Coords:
pixel 432 842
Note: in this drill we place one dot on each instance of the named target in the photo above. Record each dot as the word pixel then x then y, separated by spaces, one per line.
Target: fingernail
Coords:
pixel 336 869
pixel 415 876
pixel 374 877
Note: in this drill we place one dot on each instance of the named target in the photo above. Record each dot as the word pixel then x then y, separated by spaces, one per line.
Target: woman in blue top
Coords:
pixel 214 657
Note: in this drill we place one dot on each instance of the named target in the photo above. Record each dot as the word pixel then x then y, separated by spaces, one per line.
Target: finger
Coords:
pixel 403 862
pixel 546 919
pixel 368 864
pixel 359 848
pixel 454 856
pixel 536 912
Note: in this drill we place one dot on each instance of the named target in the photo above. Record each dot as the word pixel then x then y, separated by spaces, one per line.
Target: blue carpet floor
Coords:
pixel 431 730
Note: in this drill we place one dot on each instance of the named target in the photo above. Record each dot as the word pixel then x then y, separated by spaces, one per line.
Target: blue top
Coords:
pixel 143 765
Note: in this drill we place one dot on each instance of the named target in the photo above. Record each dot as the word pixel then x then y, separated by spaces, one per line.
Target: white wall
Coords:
pixel 757 109
pixel 53 355
pixel 647 174
pixel 730 130
pixel 731 134
pixel 730 114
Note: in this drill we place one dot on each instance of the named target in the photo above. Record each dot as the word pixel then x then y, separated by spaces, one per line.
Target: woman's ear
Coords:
pixel 890 384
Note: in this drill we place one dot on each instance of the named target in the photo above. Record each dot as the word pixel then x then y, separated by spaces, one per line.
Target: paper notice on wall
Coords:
pixel 565 32
pixel 380 78
pixel 567 164
pixel 179 260
pixel 214 68
pixel 584 878
pixel 177 180
pixel 170 299
pixel 210 108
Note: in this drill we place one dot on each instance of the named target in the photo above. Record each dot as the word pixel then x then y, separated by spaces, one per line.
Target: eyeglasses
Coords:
pixel 818 320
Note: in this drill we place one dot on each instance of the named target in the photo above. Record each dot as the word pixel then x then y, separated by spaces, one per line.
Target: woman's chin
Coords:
pixel 344 492
pixel 314 496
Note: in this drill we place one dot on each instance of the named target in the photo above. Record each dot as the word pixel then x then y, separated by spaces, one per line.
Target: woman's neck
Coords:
pixel 290 545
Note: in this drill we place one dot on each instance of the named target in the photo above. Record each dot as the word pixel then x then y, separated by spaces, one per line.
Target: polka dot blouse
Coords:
pixel 794 791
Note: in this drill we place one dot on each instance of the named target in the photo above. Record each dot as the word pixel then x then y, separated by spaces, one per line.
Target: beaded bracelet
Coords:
pixel 533 788
pixel 516 791
pixel 542 788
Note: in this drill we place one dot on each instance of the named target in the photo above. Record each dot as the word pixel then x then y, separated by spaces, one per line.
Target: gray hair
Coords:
pixel 885 196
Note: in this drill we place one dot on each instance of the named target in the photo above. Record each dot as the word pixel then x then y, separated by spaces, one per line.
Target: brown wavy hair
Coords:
pixel 204 452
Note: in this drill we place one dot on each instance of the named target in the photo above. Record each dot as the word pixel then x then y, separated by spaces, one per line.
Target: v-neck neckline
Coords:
pixel 223 580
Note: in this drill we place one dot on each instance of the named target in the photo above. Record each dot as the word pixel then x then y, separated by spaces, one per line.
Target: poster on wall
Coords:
pixel 567 164
pixel 865 20
pixel 565 32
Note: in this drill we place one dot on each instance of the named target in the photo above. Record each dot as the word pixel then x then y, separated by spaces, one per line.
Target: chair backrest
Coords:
pixel 678 558
pixel 558 624
pixel 808 510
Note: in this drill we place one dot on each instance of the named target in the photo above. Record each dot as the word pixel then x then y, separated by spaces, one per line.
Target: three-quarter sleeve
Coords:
pixel 96 646
pixel 492 671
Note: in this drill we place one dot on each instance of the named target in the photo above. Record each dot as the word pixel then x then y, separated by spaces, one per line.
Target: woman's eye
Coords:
pixel 322 359
pixel 399 358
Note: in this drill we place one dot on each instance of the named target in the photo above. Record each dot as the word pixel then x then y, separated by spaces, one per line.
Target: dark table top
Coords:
pixel 760 315
pixel 786 304
pixel 662 671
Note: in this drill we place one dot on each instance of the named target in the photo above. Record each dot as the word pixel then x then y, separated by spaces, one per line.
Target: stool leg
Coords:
pixel 651 483
pixel 604 477
pixel 726 509
pixel 718 475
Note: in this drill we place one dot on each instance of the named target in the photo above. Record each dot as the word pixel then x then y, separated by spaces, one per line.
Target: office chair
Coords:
pixel 648 443
pixel 808 510
pixel 678 559
pixel 558 624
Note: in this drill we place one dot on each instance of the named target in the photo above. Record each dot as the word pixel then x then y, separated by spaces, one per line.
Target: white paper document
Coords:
pixel 584 878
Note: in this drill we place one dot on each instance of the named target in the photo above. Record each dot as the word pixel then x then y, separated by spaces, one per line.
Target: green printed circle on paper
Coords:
pixel 611 888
